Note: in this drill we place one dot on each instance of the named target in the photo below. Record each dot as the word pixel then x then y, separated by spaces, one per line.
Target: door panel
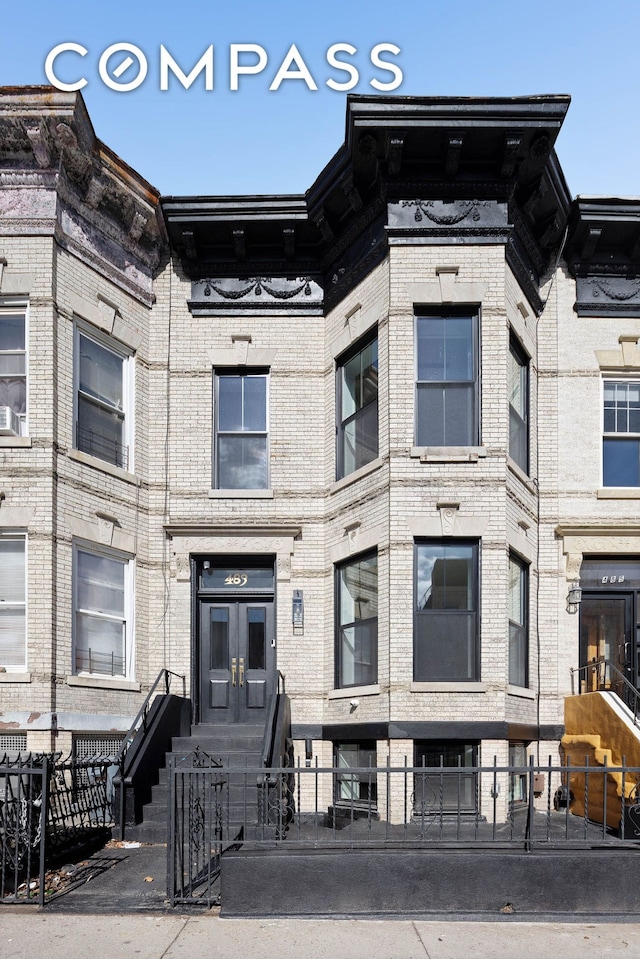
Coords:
pixel 605 634
pixel 219 659
pixel 237 660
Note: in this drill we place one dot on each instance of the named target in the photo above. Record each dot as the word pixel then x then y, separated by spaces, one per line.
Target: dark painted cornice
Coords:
pixel 604 235
pixel 603 253
pixel 397 150
pixel 241 236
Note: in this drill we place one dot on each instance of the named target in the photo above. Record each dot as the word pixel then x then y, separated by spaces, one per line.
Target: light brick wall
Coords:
pixel 49 493
pixel 173 469
pixel 393 503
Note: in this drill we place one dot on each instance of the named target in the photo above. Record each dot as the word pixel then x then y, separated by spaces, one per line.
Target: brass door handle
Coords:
pixel 233 671
pixel 241 671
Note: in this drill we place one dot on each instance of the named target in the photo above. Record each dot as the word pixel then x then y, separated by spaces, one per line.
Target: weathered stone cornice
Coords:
pixel 47 142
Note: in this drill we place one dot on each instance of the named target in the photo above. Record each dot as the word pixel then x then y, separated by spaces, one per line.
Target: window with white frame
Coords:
pixel 103 399
pixel 13 592
pixel 621 439
pixel 13 369
pixel 447 404
pixel 241 416
pixel 518 405
pixel 357 408
pixel 103 639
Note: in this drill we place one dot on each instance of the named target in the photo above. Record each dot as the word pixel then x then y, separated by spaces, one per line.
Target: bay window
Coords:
pixel 518 622
pixel 518 405
pixel 357 622
pixel 447 367
pixel 357 403
pixel 446 612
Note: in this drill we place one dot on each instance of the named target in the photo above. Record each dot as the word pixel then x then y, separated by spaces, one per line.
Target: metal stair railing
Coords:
pixel 276 791
pixel 273 747
pixel 602 674
pixel 140 722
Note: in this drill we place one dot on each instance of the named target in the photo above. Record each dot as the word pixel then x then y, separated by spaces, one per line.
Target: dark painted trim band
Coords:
pixel 522 732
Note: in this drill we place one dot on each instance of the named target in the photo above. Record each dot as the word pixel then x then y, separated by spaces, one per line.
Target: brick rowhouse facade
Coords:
pixel 376 408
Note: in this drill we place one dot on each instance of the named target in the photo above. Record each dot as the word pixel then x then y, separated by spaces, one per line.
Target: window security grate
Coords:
pixel 13 743
pixel 85 747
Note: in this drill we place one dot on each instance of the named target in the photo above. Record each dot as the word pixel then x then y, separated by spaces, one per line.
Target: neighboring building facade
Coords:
pixel 367 437
pixel 82 237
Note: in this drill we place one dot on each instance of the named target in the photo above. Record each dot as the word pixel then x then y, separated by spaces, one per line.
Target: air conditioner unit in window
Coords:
pixel 9 422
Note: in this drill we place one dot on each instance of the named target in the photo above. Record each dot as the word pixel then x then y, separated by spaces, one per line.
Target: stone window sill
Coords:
pixel 619 492
pixel 521 692
pixel 353 692
pixel 103 682
pixel 421 687
pixel 520 473
pixel 99 464
pixel 16 442
pixel 448 454
pixel 356 475
pixel 7 677
pixel 240 494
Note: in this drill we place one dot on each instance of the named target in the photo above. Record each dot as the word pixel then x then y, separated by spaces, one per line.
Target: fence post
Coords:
pixel 171 838
pixel 528 840
pixel 604 796
pixel 622 804
pixel 44 815
pixel 121 798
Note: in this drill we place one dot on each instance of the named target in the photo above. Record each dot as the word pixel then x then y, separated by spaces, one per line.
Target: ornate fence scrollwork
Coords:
pixel 196 787
pixel 279 796
pixel 50 806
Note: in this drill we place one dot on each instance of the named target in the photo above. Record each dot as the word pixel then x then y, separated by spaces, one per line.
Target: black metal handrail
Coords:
pixel 603 670
pixel 271 755
pixel 141 722
pixel 276 794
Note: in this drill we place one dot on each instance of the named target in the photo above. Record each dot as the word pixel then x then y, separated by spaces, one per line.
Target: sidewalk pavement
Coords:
pixel 115 906
pixel 27 933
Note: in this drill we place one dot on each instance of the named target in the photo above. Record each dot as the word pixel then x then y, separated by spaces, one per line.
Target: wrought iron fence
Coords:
pixel 49 807
pixel 196 828
pixel 214 808
pixel 23 789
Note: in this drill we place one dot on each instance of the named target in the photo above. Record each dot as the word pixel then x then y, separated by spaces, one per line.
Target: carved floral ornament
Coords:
pixel 620 288
pixel 577 546
pixel 445 214
pixel 279 289
pixel 574 562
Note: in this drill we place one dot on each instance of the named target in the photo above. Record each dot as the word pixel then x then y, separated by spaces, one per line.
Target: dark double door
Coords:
pixel 237 660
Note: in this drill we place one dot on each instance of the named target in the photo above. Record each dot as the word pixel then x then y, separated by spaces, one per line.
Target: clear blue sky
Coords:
pixel 260 141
